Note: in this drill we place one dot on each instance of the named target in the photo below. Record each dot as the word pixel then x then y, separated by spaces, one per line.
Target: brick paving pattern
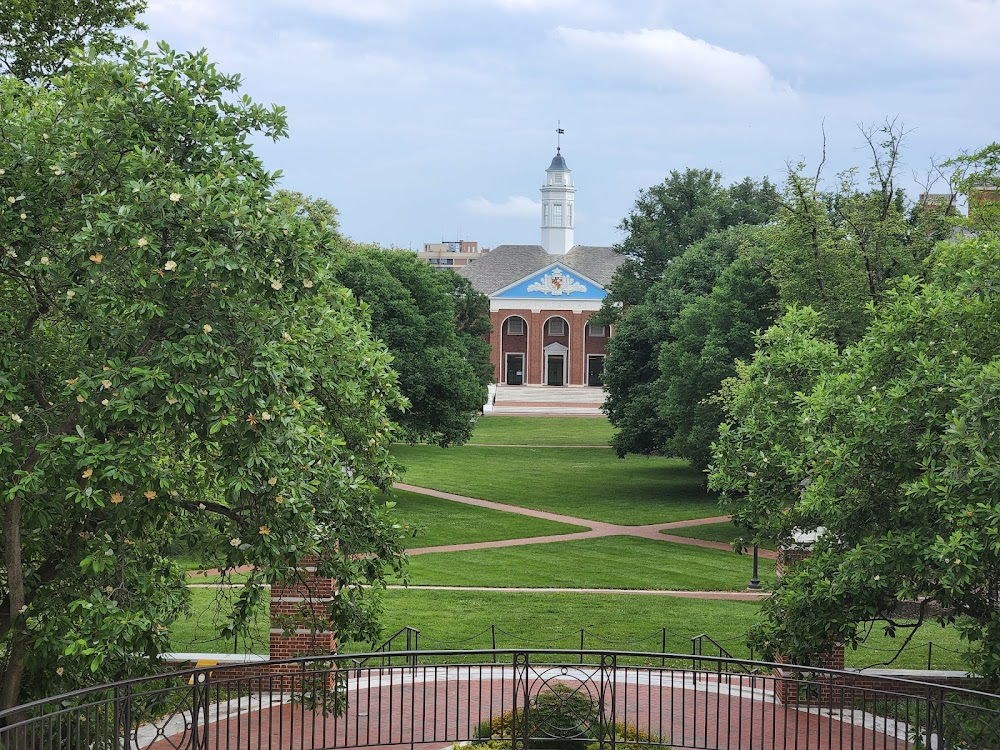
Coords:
pixel 433 706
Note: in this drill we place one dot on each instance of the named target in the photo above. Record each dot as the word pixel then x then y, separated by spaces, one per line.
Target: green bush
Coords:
pixel 559 718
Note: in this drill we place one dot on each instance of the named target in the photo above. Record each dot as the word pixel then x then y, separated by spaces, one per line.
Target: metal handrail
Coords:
pixel 636 698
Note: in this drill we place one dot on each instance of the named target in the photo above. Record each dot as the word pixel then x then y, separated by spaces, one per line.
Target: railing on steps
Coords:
pixel 406 636
pixel 723 656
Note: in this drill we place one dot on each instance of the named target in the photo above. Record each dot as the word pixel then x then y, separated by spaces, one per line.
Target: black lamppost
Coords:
pixel 754 579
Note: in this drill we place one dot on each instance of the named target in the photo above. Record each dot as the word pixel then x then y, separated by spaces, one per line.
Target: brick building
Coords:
pixel 542 296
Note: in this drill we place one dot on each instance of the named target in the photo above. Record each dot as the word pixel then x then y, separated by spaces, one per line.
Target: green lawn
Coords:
pixel 607 562
pixel 462 619
pixel 502 430
pixel 198 632
pixel 588 483
pixel 438 521
pixel 712 532
pixel 632 622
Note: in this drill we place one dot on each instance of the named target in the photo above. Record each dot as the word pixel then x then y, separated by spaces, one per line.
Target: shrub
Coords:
pixel 559 718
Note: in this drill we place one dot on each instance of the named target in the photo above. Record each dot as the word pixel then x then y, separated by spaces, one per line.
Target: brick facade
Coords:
pixel 533 341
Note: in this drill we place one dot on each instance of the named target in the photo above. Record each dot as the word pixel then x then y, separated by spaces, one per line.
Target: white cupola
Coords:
pixel 557 207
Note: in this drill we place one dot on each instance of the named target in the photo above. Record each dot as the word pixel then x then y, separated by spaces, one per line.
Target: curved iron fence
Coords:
pixel 530 698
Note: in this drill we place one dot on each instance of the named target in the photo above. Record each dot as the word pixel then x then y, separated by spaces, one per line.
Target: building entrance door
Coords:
pixel 515 369
pixel 555 369
pixel 595 367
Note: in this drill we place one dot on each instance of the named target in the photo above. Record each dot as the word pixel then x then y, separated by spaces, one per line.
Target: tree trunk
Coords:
pixel 10 680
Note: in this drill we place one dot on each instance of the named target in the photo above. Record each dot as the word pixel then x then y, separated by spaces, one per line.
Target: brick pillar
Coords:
pixel 788 557
pixel 534 358
pixel 300 623
pixel 795 687
pixel 495 340
pixel 815 689
pixel 578 348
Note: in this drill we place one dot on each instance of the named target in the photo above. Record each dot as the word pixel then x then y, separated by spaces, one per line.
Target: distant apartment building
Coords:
pixel 451 254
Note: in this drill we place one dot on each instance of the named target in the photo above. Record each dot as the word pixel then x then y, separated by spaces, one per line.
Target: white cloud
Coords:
pixel 171 16
pixel 370 11
pixel 563 6
pixel 515 207
pixel 666 57
pixel 397 11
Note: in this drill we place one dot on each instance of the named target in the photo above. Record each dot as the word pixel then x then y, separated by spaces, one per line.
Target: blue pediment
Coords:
pixel 553 282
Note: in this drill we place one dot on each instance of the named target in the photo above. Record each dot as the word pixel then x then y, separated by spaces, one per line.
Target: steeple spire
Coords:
pixel 557 203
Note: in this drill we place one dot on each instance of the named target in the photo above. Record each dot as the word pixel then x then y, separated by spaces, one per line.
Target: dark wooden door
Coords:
pixel 555 370
pixel 595 366
pixel 515 369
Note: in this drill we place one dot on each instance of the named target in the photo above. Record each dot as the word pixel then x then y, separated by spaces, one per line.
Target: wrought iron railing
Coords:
pixel 662 640
pixel 517 699
pixel 404 639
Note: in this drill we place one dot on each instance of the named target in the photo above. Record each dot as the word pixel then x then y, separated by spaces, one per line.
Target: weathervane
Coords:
pixel 559 132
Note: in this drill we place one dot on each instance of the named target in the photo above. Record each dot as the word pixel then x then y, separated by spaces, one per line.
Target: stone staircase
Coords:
pixel 567 400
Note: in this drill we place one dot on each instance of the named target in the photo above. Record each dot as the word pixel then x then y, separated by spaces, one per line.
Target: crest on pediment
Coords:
pixel 557 284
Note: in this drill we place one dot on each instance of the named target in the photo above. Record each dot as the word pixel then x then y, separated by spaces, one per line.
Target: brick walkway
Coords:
pixel 595 528
pixel 433 706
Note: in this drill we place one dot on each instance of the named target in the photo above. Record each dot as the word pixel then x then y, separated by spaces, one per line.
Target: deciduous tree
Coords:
pixel 413 311
pixel 889 448
pixel 669 217
pixel 175 356
pixel 633 376
pixel 37 37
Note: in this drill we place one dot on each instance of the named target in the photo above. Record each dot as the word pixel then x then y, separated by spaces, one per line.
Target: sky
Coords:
pixel 431 120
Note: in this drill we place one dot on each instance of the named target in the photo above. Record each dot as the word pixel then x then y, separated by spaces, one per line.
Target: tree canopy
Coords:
pixel 669 217
pixel 888 447
pixel 177 362
pixel 431 323
pixel 683 233
pixel 837 249
pixel 38 37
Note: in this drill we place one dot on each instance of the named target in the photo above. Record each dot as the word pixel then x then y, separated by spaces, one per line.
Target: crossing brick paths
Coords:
pixel 596 528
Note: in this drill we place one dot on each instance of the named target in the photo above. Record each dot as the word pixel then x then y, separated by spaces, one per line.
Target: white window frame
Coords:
pixel 551 322
pixel 520 324
pixel 597 331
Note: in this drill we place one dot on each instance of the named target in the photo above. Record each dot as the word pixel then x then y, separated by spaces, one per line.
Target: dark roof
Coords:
pixel 594 262
pixel 506 264
pixel 558 162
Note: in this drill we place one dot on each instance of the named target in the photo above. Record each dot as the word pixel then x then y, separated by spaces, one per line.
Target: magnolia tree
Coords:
pixel 889 446
pixel 176 365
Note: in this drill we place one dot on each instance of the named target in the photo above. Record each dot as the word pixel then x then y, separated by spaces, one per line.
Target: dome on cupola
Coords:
pixel 558 162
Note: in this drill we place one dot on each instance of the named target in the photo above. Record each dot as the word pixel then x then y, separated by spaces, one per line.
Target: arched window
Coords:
pixel 556 327
pixel 515 326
